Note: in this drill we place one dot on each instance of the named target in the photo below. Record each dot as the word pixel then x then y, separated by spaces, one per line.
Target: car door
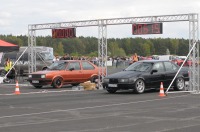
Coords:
pixel 157 77
pixel 88 70
pixel 171 70
pixel 73 72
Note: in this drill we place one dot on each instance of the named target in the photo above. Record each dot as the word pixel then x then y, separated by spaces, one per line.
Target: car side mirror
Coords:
pixel 154 70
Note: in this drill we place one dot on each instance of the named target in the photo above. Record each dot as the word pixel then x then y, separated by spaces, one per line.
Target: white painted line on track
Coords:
pixel 44 91
pixel 25 84
pixel 92 107
pixel 181 92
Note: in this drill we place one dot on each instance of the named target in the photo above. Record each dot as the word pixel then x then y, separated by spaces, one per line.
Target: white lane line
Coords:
pixel 15 84
pixel 44 91
pixel 92 107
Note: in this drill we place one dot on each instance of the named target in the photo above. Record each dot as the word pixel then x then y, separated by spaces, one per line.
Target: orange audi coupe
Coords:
pixel 64 72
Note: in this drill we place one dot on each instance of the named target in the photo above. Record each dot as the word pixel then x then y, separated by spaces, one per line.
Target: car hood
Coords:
pixel 125 74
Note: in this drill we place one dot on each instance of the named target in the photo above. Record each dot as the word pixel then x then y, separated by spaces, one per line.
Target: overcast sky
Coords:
pixel 16 15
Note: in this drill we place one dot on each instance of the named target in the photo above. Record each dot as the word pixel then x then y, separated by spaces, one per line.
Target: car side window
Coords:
pixel 61 66
pixel 74 65
pixel 87 66
pixel 159 66
pixel 170 66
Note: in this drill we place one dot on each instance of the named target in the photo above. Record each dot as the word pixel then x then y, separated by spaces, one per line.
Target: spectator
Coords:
pixel 7 68
pixel 56 58
pixel 65 57
pixel 8 65
pixel 135 57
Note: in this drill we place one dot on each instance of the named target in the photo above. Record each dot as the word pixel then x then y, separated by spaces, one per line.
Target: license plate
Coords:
pixel 112 85
pixel 186 83
pixel 35 81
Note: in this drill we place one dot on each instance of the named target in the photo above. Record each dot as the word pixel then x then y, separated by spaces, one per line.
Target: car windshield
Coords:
pixel 58 65
pixel 47 56
pixel 139 66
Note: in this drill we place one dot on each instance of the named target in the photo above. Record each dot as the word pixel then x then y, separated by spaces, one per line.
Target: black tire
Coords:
pixel 93 79
pixel 139 86
pixel 111 91
pixel 57 82
pixel 37 86
pixel 179 84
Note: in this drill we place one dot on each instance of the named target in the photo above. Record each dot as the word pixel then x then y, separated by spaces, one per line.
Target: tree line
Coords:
pixel 88 46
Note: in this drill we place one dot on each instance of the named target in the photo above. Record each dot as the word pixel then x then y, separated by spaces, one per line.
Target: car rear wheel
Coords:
pixel 139 86
pixel 57 82
pixel 179 84
pixel 94 79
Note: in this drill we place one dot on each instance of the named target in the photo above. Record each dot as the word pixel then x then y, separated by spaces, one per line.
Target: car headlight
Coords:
pixel 29 76
pixel 105 80
pixel 123 80
pixel 43 76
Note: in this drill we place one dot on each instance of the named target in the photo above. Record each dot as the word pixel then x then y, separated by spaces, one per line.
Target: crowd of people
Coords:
pixel 116 61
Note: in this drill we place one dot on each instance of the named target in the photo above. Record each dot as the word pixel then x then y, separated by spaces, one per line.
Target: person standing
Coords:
pixel 56 58
pixel 135 57
pixel 8 65
pixel 66 57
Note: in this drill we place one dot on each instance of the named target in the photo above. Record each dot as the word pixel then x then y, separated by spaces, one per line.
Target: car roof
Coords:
pixel 153 61
pixel 71 60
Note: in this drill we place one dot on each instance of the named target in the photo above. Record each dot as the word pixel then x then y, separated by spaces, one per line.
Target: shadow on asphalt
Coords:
pixel 128 92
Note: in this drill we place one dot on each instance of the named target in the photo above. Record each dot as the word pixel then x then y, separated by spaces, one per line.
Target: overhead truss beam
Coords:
pixel 113 21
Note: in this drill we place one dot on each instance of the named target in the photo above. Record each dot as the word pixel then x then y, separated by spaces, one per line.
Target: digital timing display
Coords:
pixel 149 28
pixel 64 33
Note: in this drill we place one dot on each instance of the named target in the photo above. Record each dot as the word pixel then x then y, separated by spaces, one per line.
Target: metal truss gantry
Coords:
pixel 102 38
pixel 194 56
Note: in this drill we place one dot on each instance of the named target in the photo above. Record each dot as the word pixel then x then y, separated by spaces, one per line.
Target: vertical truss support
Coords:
pixel 31 49
pixel 102 51
pixel 194 56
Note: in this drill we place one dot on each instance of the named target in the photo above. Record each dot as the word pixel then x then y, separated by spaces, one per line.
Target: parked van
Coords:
pixel 43 59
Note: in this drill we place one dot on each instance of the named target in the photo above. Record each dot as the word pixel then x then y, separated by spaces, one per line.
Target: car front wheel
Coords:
pixel 57 82
pixel 37 86
pixel 139 86
pixel 111 90
pixel 179 84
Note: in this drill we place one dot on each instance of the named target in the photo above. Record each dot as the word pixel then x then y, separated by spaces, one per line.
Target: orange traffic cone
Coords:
pixel 162 94
pixel 17 88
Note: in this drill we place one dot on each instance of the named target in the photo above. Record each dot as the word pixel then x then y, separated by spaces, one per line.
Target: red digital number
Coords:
pixel 134 29
pixel 145 29
pixel 140 28
pixel 156 28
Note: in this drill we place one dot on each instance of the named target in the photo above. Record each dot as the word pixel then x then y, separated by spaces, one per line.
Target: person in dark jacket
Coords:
pixel 66 57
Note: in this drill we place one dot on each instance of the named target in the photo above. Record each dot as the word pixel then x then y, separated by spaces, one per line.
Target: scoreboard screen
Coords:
pixel 150 28
pixel 64 33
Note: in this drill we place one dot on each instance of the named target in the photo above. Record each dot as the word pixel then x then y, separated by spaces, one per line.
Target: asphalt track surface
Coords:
pixel 67 110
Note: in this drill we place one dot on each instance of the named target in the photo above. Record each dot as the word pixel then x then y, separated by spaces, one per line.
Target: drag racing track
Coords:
pixel 65 110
